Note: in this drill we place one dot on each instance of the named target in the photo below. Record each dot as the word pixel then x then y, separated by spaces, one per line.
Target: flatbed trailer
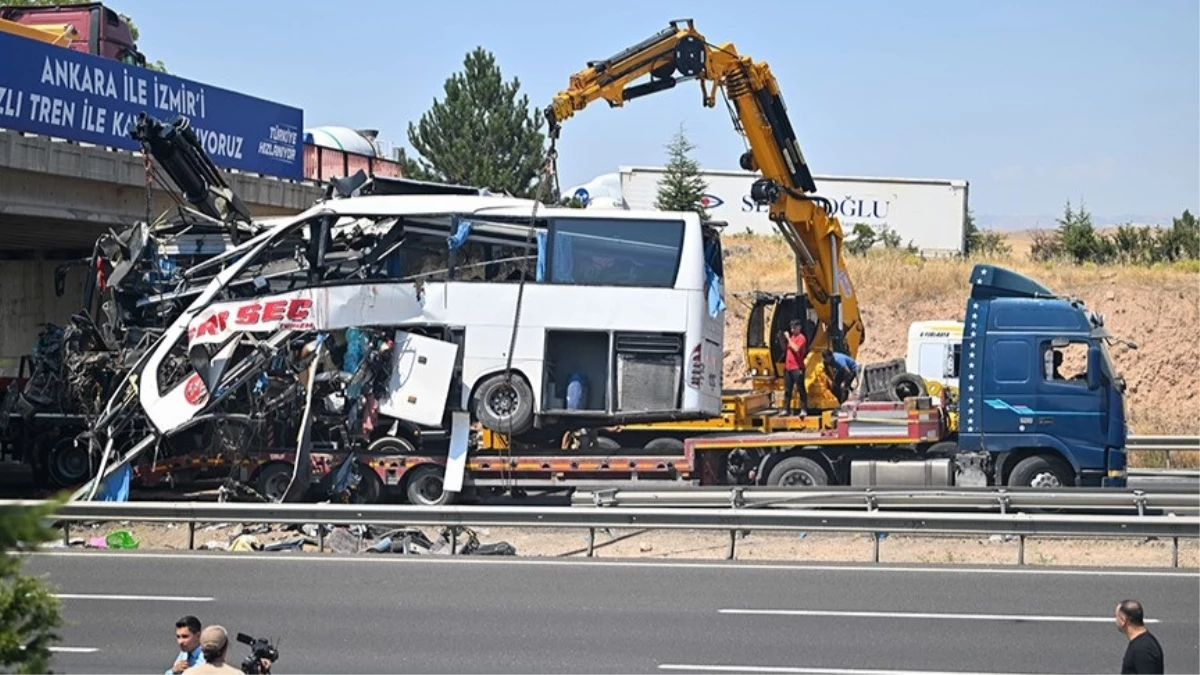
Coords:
pixel 761 448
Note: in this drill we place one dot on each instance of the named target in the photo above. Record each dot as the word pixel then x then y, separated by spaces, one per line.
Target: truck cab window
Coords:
pixel 1065 363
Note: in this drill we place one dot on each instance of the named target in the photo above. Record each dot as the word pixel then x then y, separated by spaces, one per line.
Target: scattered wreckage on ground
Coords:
pixel 319 352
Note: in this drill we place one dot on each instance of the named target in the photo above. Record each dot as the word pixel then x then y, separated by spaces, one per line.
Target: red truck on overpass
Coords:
pixel 90 28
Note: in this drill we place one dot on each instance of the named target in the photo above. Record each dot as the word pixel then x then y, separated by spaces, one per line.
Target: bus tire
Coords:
pixel 505 405
pixel 423 483
pixel 797 471
pixel 665 446
pixel 906 385
pixel 392 445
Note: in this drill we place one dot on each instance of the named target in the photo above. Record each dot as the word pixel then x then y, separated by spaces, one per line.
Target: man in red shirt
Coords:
pixel 795 349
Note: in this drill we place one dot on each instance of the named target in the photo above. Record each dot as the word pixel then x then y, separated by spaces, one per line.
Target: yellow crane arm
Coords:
pixel 59 35
pixel 679 53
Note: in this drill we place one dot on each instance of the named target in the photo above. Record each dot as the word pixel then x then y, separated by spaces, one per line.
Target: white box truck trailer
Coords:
pixel 931 213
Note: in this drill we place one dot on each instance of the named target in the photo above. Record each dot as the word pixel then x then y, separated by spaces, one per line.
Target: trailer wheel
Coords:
pixel 505 406
pixel 69 463
pixel 906 385
pixel 370 485
pixel 273 480
pixel 797 472
pixel 424 486
pixel 1041 471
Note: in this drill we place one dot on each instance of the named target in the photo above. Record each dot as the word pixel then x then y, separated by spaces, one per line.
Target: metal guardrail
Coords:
pixel 1020 525
pixel 1168 445
pixel 883 498
pixel 1162 443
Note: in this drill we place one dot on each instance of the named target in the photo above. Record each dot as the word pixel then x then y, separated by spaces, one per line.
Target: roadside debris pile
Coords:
pixel 452 540
pixel 345 540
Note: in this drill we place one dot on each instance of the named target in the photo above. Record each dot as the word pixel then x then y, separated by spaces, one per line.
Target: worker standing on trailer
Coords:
pixel 841 371
pixel 795 350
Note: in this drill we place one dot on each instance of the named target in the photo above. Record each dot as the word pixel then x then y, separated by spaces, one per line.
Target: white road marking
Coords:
pixel 74 650
pixel 225 558
pixel 134 598
pixel 821 671
pixel 925 615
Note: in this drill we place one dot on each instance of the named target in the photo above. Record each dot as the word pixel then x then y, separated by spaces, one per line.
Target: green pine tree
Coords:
pixel 481 134
pixel 29 612
pixel 682 186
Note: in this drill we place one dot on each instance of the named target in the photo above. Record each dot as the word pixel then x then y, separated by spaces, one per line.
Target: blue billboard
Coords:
pixel 60 92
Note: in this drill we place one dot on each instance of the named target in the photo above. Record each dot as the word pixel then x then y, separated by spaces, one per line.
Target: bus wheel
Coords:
pixel 797 472
pixel 505 405
pixel 665 446
pixel 392 445
pixel 424 486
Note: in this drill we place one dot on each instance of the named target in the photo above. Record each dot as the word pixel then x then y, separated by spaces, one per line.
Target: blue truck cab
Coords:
pixel 1019 406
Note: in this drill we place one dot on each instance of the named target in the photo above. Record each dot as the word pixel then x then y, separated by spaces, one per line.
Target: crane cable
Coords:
pixel 548 172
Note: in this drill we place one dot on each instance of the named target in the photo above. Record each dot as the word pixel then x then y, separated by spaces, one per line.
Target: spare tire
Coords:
pixel 906 385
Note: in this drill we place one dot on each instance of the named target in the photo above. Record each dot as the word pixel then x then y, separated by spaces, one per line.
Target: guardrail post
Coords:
pixel 66 534
pixel 732 545
pixel 191 535
pixel 320 538
pixel 453 539
pixel 1174 551
pixel 1021 550
pixel 591 542
pixel 1139 499
pixel 875 546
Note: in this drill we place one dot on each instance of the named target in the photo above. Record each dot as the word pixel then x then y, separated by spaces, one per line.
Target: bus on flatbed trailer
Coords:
pixel 1014 419
pixel 411 468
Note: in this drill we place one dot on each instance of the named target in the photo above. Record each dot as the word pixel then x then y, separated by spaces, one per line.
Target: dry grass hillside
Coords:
pixel 1156 307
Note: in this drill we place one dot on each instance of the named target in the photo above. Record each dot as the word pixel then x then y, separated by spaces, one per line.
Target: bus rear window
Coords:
pixel 614 252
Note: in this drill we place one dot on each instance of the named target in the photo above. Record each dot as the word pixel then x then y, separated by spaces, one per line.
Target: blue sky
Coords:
pixel 1033 102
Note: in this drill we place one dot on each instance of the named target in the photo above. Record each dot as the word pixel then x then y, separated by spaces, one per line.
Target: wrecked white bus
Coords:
pixel 619 317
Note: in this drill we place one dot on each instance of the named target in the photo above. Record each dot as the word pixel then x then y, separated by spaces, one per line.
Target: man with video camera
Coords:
pixel 214 642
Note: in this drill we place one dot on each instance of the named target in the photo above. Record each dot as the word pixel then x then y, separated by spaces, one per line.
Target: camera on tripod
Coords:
pixel 260 648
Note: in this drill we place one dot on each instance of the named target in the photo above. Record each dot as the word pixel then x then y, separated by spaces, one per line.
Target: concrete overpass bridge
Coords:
pixel 57 196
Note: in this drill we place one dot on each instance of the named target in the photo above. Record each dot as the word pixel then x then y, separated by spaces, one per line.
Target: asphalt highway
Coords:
pixel 368 614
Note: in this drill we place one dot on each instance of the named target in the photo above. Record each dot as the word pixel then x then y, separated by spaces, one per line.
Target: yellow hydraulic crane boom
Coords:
pixel 59 35
pixel 681 53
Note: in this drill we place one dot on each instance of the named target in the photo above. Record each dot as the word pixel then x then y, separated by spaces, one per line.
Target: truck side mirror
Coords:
pixel 1093 367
